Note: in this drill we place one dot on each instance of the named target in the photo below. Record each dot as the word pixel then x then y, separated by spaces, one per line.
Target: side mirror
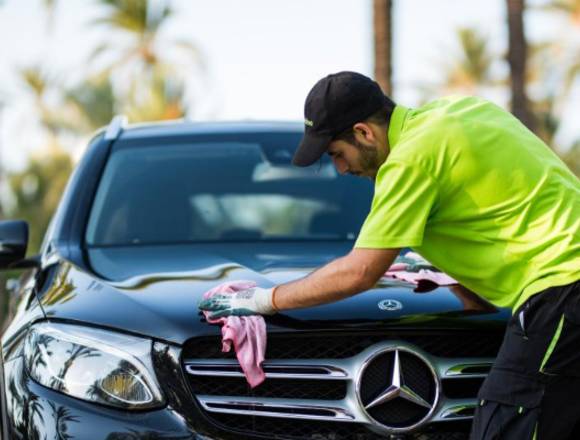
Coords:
pixel 13 242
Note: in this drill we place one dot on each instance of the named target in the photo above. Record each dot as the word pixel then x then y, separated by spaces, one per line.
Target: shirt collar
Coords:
pixel 396 123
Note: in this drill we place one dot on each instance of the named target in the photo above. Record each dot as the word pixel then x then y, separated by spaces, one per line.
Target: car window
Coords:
pixel 223 190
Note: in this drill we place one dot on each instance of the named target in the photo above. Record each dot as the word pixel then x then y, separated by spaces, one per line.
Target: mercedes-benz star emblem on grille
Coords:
pixel 398 389
pixel 390 304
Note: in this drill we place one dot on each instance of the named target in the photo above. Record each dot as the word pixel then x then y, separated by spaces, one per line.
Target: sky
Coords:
pixel 260 57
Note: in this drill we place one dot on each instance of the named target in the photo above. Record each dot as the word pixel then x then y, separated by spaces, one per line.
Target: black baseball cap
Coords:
pixel 335 103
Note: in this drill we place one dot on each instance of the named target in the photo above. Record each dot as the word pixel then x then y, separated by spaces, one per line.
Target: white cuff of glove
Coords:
pixel 263 301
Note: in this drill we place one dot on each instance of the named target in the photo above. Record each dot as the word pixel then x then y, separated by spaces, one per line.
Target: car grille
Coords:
pixel 340 345
pixel 311 386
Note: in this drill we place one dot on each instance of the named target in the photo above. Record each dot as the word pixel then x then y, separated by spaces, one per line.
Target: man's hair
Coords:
pixel 380 117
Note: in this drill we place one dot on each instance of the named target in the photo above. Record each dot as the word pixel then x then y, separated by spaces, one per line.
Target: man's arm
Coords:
pixel 357 271
pixel 341 278
pixel 471 301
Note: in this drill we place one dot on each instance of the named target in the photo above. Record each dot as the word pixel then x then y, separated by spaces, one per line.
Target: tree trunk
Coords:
pixel 517 57
pixel 382 39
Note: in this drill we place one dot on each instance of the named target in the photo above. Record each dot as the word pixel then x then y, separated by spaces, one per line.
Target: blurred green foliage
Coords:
pixel 37 190
pixel 127 73
pixel 136 80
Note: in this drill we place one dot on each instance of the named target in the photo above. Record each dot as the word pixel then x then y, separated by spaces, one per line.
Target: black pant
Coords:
pixel 533 389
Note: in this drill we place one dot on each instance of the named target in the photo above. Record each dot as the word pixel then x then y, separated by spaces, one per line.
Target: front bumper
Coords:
pixel 35 411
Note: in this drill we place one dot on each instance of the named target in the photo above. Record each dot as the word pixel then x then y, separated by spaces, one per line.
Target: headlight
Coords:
pixel 91 364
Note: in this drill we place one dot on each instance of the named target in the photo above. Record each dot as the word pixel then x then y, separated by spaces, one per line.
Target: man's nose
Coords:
pixel 340 165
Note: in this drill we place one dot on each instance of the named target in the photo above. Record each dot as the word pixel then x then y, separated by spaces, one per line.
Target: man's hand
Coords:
pixel 254 301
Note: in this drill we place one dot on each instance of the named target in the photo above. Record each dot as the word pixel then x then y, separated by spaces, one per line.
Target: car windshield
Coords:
pixel 222 188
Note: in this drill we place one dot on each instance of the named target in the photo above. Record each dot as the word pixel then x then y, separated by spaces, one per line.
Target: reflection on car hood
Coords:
pixel 155 290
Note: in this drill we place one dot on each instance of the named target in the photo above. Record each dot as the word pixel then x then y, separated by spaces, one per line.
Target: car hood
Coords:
pixel 154 291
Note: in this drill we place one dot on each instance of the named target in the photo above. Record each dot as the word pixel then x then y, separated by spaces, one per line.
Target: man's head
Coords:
pixel 346 115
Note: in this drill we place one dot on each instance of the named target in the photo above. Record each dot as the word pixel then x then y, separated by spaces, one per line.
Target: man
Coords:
pixel 466 185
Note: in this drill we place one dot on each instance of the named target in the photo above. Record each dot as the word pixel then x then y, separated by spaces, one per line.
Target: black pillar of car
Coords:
pixel 66 238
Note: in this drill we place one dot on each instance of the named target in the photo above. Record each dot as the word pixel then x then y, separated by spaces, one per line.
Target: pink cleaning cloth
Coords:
pixel 246 333
pixel 413 268
pixel 439 278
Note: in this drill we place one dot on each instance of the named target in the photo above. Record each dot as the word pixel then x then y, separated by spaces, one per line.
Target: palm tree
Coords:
pixel 36 191
pixel 50 8
pixel 138 25
pixel 63 289
pixel 472 65
pixel 517 58
pixel 383 32
pixel 39 83
pixel 91 104
pixel 571 10
pixel 63 419
pixel 35 410
pixel 55 116
pixel 553 68
pixel 1 178
pixel 77 111
pixel 572 158
pixel 570 7
pixel 77 352
pixel 135 58
pixel 162 99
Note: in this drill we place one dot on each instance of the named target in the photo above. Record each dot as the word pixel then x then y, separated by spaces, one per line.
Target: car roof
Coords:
pixel 183 127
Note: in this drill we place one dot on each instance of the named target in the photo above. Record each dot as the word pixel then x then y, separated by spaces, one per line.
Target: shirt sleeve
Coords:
pixel 405 196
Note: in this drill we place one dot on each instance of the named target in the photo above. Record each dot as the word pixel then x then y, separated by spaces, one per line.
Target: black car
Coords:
pixel 106 340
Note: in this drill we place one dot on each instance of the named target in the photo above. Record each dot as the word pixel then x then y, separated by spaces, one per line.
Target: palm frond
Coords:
pixel 472 64
pixel 571 8
pixel 476 57
pixel 94 100
pixel 161 98
pixel 190 50
pixel 99 50
pixel 156 19
pixel 126 15
pixel 50 8
pixel 141 58
pixel 572 75
pixel 35 78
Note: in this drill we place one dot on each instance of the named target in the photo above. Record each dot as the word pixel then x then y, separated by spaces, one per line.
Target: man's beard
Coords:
pixel 368 159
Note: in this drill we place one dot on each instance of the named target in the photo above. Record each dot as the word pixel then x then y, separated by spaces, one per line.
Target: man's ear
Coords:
pixel 363 131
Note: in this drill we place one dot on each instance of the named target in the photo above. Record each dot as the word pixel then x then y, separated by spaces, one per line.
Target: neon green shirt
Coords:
pixel 478 195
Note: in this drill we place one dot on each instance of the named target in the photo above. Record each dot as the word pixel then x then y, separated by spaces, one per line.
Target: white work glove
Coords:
pixel 253 301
